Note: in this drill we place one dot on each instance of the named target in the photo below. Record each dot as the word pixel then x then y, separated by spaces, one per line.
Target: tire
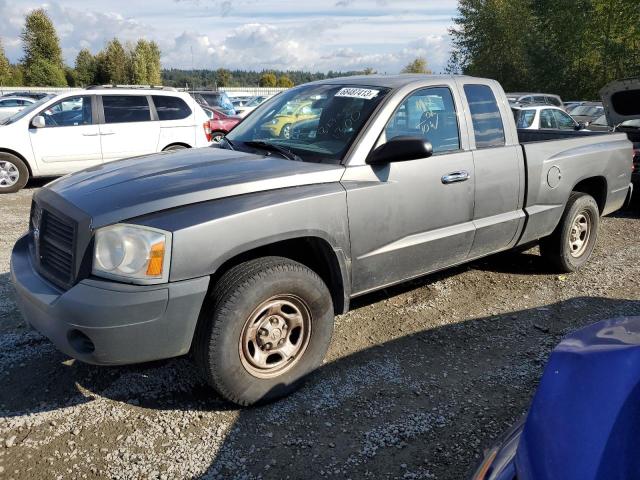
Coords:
pixel 571 244
pixel 285 132
pixel 239 305
pixel 216 136
pixel 172 148
pixel 14 173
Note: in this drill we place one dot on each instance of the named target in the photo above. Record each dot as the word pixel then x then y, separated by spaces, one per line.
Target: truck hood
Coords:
pixel 621 100
pixel 129 188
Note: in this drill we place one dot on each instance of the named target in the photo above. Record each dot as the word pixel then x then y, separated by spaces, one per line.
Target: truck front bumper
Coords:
pixel 109 323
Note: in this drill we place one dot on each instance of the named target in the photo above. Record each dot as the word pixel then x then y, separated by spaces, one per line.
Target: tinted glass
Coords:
pixel 125 108
pixel 70 112
pixel 170 108
pixel 10 103
pixel 601 120
pixel 485 116
pixel 554 101
pixel 525 118
pixel 429 113
pixel 547 120
pixel 564 121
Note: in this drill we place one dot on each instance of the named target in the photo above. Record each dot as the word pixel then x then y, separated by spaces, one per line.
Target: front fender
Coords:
pixel 207 234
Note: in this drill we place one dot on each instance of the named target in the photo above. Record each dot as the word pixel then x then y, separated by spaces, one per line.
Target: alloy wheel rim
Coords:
pixel 275 336
pixel 580 234
pixel 9 174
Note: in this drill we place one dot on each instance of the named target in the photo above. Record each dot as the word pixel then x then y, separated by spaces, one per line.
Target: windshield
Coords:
pixel 587 110
pixel 318 123
pixel 601 120
pixel 27 110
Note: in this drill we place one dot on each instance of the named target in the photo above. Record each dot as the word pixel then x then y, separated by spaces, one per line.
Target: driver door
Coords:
pixel 70 139
pixel 413 217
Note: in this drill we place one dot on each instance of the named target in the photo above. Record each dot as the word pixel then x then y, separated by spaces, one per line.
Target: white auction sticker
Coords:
pixel 352 92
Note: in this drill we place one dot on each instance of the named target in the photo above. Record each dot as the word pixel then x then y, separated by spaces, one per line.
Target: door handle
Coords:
pixel 454 177
pixel 107 133
pixel 90 134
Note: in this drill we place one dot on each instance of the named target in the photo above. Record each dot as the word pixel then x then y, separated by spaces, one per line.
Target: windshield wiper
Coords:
pixel 285 152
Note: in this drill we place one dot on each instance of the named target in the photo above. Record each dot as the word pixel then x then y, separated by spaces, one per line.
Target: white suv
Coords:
pixel 83 128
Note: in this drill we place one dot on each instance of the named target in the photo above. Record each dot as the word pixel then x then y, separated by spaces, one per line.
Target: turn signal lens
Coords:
pixel 156 259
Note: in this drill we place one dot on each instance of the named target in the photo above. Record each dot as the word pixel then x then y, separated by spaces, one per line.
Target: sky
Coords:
pixel 313 35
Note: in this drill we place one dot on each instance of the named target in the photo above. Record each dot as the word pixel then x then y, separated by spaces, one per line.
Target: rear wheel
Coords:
pixel 14 173
pixel 172 148
pixel 571 244
pixel 217 136
pixel 266 326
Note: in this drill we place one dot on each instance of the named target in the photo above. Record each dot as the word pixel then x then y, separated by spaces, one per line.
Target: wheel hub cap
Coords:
pixel 9 174
pixel 275 336
pixel 580 234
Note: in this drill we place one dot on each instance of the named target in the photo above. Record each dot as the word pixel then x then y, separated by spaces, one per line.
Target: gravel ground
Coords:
pixel 418 381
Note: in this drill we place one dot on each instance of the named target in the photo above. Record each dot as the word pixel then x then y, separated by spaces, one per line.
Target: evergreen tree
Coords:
pixel 223 77
pixel 5 66
pixel 42 53
pixel 154 68
pixel 86 68
pixel 140 63
pixel 115 65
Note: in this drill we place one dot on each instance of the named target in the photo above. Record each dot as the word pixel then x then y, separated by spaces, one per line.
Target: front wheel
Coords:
pixel 571 244
pixel 286 131
pixel 266 326
pixel 14 174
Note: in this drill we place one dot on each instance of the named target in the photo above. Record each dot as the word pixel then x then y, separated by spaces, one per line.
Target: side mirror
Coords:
pixel 38 122
pixel 581 125
pixel 401 149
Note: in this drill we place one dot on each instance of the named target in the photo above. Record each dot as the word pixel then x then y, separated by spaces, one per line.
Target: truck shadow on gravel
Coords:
pixel 423 404
pixel 420 405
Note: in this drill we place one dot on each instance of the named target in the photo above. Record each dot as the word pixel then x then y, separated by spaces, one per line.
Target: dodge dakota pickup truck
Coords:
pixel 242 254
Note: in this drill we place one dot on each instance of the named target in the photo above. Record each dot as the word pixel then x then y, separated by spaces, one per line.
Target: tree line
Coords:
pixel 569 47
pixel 42 64
pixel 206 78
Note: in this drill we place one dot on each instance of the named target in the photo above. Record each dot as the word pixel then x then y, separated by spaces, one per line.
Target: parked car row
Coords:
pixel 60 134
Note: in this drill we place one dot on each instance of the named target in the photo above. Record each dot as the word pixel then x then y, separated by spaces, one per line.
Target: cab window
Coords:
pixel 564 121
pixel 428 113
pixel 547 119
pixel 70 112
pixel 485 116
pixel 126 108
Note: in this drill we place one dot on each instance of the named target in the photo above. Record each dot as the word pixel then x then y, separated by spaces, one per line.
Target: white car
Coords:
pixel 84 128
pixel 12 105
pixel 544 117
pixel 251 105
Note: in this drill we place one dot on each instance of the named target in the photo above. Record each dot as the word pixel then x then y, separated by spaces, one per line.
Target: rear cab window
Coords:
pixel 126 108
pixel 487 123
pixel 170 108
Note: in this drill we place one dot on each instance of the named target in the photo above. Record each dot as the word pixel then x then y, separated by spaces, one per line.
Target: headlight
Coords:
pixel 132 253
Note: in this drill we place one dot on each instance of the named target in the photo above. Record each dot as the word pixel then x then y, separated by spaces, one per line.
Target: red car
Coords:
pixel 219 124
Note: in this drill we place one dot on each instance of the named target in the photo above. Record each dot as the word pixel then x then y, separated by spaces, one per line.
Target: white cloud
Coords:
pixel 249 34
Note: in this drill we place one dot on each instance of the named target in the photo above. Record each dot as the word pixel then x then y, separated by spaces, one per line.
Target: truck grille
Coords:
pixel 54 239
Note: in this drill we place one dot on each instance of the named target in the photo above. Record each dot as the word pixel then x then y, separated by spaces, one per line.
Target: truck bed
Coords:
pixel 530 136
pixel 558 161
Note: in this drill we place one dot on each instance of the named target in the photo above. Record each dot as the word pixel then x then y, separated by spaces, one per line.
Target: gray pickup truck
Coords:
pixel 242 254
